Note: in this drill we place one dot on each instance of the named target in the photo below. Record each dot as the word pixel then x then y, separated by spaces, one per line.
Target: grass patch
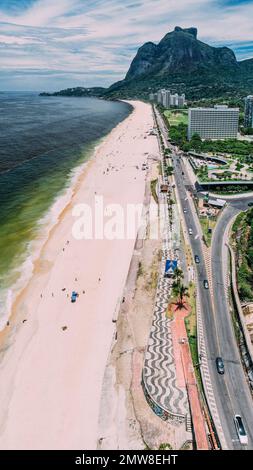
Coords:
pixel 153 279
pixel 153 186
pixel 191 328
pixel 140 270
pixel 165 446
pixel 176 117
pixel 242 238
pixel 205 224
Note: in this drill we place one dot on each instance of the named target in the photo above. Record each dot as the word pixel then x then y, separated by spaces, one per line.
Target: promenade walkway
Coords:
pixel 165 393
pixel 186 376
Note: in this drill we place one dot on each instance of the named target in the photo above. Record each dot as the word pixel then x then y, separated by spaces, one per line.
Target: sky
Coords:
pixel 48 45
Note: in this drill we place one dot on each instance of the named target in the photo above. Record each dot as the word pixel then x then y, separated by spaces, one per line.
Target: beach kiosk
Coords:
pixel 170 267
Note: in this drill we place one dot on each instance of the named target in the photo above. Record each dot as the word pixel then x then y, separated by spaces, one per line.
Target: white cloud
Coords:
pixel 91 36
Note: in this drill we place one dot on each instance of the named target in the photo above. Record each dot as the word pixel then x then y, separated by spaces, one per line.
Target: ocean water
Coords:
pixel 44 144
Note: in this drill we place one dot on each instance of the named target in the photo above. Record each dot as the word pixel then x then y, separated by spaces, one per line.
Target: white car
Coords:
pixel 240 429
pixel 190 231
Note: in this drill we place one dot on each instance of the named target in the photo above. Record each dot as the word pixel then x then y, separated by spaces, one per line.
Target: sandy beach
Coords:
pixel 53 359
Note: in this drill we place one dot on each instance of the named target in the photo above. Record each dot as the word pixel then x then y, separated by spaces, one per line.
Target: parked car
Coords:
pixel 220 365
pixel 190 231
pixel 250 204
pixel 197 260
pixel 240 429
pixel 206 284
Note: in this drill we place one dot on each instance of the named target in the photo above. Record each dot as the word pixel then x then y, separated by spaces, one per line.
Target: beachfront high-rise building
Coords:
pixel 160 96
pixel 219 122
pixel 174 100
pixel 248 116
pixel 181 101
pixel 167 99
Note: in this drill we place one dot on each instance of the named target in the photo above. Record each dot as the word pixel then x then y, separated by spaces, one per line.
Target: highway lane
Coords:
pixel 231 390
pixel 221 392
pixel 240 397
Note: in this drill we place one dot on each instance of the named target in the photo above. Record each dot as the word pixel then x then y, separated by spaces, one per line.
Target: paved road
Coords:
pixel 231 390
pixel 238 398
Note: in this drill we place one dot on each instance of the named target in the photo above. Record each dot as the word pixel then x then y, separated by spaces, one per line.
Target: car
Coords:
pixel 184 210
pixel 190 231
pixel 220 365
pixel 240 429
pixel 197 260
pixel 250 204
pixel 206 284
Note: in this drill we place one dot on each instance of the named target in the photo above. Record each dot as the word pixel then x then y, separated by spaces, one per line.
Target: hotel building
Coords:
pixel 219 122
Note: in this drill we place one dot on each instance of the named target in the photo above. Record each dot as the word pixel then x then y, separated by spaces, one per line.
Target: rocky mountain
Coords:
pixel 179 51
pixel 184 64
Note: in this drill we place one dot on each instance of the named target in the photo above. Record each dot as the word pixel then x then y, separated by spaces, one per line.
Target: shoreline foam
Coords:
pixel 44 227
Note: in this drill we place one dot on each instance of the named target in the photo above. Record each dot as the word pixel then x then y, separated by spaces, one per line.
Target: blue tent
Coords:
pixel 170 267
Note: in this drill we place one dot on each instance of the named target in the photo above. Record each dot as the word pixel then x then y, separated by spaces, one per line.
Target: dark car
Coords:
pixel 220 365
pixel 206 284
pixel 197 260
pixel 250 204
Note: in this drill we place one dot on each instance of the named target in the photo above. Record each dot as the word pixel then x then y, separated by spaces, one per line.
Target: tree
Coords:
pixel 196 142
pixel 178 275
pixel 181 291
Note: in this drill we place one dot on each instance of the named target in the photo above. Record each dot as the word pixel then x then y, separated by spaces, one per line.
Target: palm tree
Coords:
pixel 181 292
pixel 178 275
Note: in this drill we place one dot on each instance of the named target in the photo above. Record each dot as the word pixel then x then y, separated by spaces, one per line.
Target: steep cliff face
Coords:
pixel 177 52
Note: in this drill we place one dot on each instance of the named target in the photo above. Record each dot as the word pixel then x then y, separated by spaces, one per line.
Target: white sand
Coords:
pixel 50 379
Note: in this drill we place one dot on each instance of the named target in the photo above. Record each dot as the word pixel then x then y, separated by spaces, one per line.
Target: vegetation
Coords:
pixel 207 224
pixel 165 446
pixel 140 270
pixel 231 102
pixel 169 170
pixel 180 291
pixel 242 235
pixel 176 117
pixel 191 324
pixel 202 173
pixel 153 186
pixel 177 276
pixel 234 147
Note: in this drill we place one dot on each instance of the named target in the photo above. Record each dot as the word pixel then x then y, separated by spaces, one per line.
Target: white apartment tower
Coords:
pixel 215 123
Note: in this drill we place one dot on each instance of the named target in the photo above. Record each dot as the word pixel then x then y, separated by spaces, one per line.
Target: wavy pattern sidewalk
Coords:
pixel 159 372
